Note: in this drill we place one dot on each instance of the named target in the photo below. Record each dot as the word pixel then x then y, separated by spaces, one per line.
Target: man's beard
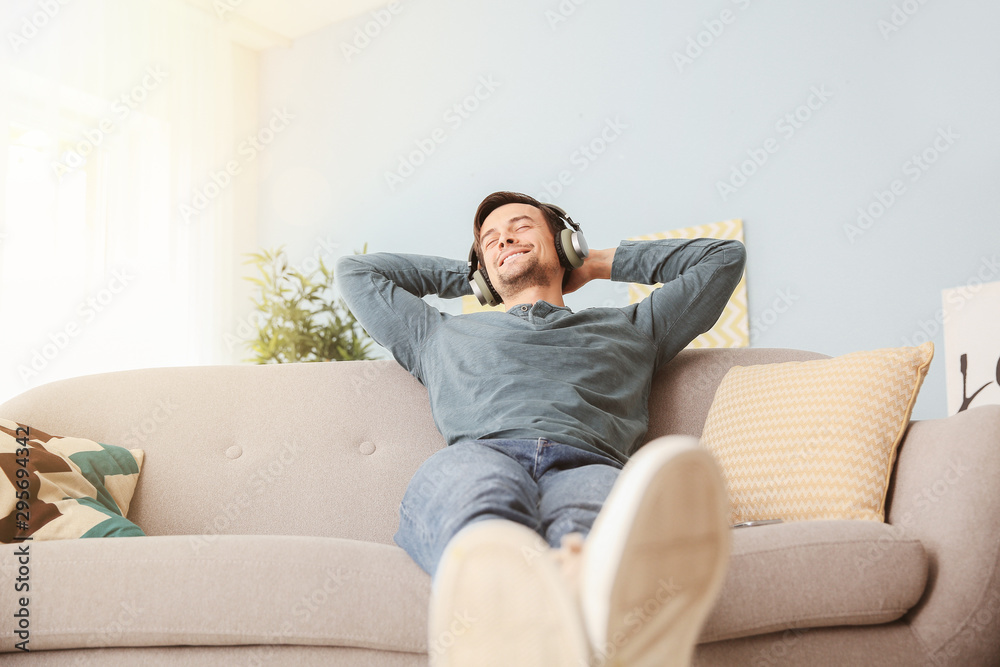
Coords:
pixel 524 277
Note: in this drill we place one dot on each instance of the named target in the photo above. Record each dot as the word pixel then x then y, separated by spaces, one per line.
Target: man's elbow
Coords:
pixel 347 266
pixel 735 254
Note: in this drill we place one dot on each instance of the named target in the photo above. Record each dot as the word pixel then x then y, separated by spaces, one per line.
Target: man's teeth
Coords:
pixel 516 254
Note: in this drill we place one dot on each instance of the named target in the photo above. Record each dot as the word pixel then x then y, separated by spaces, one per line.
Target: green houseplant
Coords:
pixel 300 319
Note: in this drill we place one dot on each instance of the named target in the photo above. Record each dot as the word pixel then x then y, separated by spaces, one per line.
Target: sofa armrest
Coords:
pixel 946 493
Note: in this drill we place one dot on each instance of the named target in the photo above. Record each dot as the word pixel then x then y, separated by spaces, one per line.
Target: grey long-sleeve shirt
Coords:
pixel 539 370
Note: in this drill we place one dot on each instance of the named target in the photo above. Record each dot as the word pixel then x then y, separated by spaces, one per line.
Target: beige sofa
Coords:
pixel 269 498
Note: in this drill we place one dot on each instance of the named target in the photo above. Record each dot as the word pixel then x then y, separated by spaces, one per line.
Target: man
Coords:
pixel 542 548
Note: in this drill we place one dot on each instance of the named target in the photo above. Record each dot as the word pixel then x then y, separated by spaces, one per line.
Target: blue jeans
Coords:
pixel 552 488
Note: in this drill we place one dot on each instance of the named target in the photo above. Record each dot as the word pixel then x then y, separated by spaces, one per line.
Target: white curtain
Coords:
pixel 116 245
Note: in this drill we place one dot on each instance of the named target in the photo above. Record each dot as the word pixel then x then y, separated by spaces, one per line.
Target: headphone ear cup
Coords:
pixel 483 289
pixel 567 253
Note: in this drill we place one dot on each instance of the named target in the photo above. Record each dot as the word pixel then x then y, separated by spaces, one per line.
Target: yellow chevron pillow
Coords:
pixel 814 439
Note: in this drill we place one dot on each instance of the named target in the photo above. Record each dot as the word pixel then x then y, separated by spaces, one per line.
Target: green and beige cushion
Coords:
pixel 57 487
pixel 814 439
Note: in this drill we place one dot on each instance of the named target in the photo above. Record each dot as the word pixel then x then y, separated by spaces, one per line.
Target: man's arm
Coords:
pixel 384 292
pixel 698 276
pixel 596 266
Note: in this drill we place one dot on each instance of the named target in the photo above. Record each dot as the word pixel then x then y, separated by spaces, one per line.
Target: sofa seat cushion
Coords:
pixel 221 590
pixel 246 589
pixel 809 574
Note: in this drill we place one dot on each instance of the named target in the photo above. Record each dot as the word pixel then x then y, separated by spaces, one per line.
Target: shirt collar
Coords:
pixel 540 308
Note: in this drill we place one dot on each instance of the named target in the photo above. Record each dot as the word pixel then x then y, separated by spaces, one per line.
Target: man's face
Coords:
pixel 517 249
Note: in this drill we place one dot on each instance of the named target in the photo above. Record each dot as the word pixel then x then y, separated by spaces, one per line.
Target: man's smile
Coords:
pixel 512 255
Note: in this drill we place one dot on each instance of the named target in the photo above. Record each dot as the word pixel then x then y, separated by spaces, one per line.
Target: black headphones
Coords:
pixel 571 248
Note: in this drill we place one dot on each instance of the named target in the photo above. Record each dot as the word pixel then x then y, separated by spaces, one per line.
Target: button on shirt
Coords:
pixel 540 370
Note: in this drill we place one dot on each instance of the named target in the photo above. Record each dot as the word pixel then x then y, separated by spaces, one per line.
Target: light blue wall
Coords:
pixel 880 96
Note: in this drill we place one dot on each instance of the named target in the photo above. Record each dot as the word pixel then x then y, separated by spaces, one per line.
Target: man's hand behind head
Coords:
pixel 596 266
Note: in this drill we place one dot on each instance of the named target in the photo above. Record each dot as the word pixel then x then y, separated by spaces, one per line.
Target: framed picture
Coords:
pixel 971 317
pixel 733 327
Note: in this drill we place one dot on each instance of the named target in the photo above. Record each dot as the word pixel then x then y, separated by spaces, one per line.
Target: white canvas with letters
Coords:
pixel 972 329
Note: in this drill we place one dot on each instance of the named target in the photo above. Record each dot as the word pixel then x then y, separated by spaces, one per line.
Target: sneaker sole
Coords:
pixel 499 599
pixel 656 557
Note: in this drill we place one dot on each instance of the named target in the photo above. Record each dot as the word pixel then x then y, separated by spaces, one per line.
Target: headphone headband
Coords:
pixel 563 215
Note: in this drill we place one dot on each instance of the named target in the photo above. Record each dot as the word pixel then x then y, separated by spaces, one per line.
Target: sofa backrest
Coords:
pixel 683 390
pixel 298 449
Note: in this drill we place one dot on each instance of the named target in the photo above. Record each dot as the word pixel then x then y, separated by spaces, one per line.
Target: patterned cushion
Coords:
pixel 814 439
pixel 56 488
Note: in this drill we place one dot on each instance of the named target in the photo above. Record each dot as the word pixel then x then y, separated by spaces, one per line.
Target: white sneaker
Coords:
pixel 499 598
pixel 656 556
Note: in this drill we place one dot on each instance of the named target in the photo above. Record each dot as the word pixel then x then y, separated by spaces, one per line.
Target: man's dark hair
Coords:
pixel 502 198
